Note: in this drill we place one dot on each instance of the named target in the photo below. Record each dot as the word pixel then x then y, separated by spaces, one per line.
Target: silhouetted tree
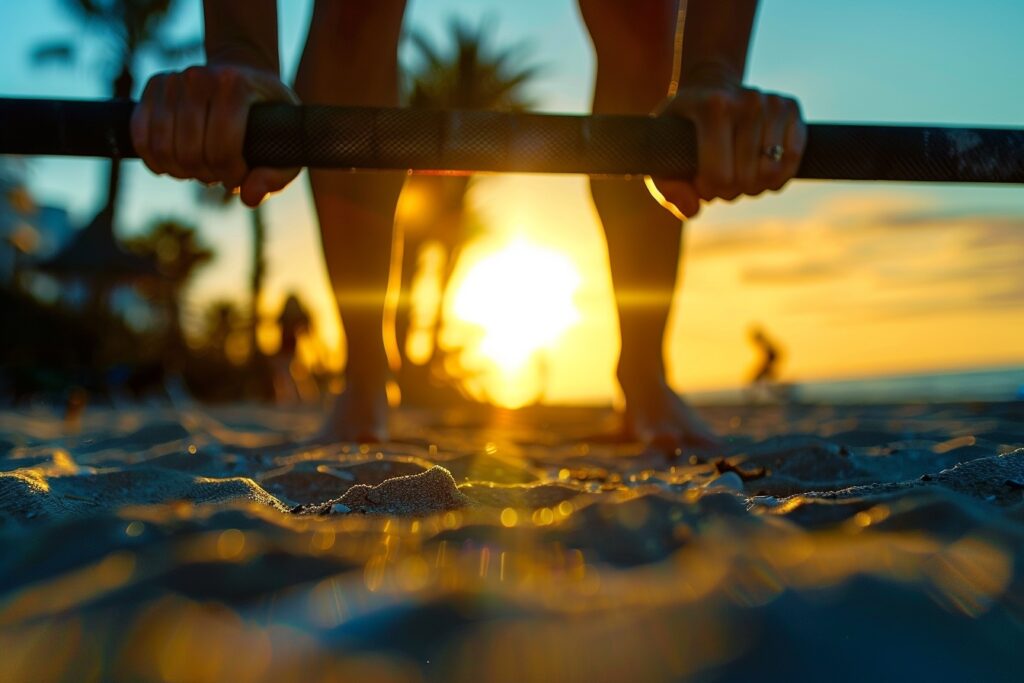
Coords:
pixel 218 197
pixel 178 253
pixel 220 320
pixel 128 29
pixel 474 75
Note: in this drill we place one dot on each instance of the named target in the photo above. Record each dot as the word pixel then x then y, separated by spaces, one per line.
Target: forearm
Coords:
pixel 242 32
pixel 716 39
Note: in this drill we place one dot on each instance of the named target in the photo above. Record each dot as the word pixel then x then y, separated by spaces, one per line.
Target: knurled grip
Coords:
pixel 473 142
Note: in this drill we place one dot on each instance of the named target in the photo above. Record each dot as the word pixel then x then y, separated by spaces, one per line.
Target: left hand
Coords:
pixel 747 142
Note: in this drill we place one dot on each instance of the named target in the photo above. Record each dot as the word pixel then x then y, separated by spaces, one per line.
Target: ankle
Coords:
pixel 640 374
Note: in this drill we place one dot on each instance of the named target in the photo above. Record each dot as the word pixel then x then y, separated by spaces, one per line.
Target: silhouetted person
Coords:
pixel 192 124
pixel 294 323
pixel 766 371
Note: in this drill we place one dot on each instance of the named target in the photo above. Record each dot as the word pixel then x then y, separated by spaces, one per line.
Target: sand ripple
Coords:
pixel 156 545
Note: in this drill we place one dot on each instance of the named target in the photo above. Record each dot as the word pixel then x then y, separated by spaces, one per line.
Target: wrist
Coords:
pixel 244 57
pixel 710 73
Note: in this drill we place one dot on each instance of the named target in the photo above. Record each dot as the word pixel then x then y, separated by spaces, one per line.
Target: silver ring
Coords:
pixel 774 152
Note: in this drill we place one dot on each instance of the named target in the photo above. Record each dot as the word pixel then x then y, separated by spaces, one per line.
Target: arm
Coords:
pixel 191 124
pixel 716 38
pixel 737 127
pixel 242 32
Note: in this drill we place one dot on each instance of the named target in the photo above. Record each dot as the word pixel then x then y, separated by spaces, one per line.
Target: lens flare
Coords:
pixel 521 297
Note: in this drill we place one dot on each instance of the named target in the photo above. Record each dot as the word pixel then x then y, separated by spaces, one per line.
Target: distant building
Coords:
pixel 29 233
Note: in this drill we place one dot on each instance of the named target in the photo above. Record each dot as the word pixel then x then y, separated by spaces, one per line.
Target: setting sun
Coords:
pixel 521 300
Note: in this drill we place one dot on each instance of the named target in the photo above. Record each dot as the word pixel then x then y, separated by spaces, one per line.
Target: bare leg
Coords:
pixel 351 59
pixel 635 48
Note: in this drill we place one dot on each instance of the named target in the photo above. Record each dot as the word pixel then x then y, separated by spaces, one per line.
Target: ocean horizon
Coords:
pixel 985 384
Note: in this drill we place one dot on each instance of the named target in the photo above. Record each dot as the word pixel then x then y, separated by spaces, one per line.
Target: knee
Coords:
pixel 635 50
pixel 351 54
pixel 618 196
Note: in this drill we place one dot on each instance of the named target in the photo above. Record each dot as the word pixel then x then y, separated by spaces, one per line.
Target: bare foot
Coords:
pixel 357 416
pixel 661 419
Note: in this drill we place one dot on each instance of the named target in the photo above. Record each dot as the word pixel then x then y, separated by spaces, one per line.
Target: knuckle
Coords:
pixel 218 159
pixel 790 107
pixel 775 179
pixel 189 158
pixel 721 179
pixel 220 155
pixel 194 73
pixel 137 127
pixel 748 183
pixel 162 150
pixel 717 104
pixel 153 85
pixel 171 88
pixel 234 174
pixel 229 79
pixel 730 192
pixel 141 145
pixel 195 80
pixel 752 100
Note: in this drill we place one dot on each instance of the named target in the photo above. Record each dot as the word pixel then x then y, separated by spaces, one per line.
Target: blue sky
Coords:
pixel 929 61
pixel 912 60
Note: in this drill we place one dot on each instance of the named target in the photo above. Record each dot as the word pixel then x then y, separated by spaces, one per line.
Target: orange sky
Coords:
pixel 861 281
pixel 850 279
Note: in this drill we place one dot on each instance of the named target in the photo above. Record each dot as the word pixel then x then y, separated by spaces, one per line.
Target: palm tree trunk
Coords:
pixel 259 269
pixel 122 90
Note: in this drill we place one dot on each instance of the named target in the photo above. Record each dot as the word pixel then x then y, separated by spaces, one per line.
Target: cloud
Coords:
pixel 792 273
pixel 884 260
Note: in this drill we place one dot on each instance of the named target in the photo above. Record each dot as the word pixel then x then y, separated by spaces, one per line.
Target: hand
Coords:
pixel 737 129
pixel 191 124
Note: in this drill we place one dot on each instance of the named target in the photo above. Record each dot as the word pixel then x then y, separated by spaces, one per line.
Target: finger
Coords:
pixel 190 125
pixel 161 127
pixel 680 195
pixel 225 130
pixel 715 130
pixel 141 122
pixel 263 181
pixel 776 120
pixel 749 142
pixel 795 143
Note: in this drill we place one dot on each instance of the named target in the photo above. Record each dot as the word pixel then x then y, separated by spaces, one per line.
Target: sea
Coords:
pixel 988 384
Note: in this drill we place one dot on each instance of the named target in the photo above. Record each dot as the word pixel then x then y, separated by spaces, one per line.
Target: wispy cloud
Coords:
pixel 888 258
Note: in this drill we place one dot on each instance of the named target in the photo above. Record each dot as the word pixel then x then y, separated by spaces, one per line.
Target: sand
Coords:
pixel 210 544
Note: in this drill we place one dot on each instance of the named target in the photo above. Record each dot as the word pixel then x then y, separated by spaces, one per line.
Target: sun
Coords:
pixel 522 300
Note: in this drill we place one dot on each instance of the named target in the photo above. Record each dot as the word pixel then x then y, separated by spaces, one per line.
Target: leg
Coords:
pixel 351 59
pixel 635 46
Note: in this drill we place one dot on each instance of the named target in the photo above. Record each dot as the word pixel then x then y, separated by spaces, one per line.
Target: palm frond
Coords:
pixel 61 51
pixel 471 74
pixel 180 51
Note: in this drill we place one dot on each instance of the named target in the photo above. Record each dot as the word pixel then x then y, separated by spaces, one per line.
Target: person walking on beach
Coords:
pixel 289 375
pixel 764 380
pixel 769 350
pixel 191 124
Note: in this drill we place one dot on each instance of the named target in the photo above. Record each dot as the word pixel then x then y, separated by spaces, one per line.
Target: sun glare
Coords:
pixel 521 298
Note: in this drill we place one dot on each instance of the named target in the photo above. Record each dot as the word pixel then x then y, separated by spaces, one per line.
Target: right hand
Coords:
pixel 191 124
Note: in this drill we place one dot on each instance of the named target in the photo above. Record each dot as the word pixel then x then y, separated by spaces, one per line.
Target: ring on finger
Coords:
pixel 774 152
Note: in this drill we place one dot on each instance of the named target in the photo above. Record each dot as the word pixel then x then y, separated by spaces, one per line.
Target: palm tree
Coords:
pixel 218 197
pixel 220 320
pixel 178 253
pixel 129 29
pixel 474 75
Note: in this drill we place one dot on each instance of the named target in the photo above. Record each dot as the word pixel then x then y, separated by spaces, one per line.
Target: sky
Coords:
pixel 850 279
